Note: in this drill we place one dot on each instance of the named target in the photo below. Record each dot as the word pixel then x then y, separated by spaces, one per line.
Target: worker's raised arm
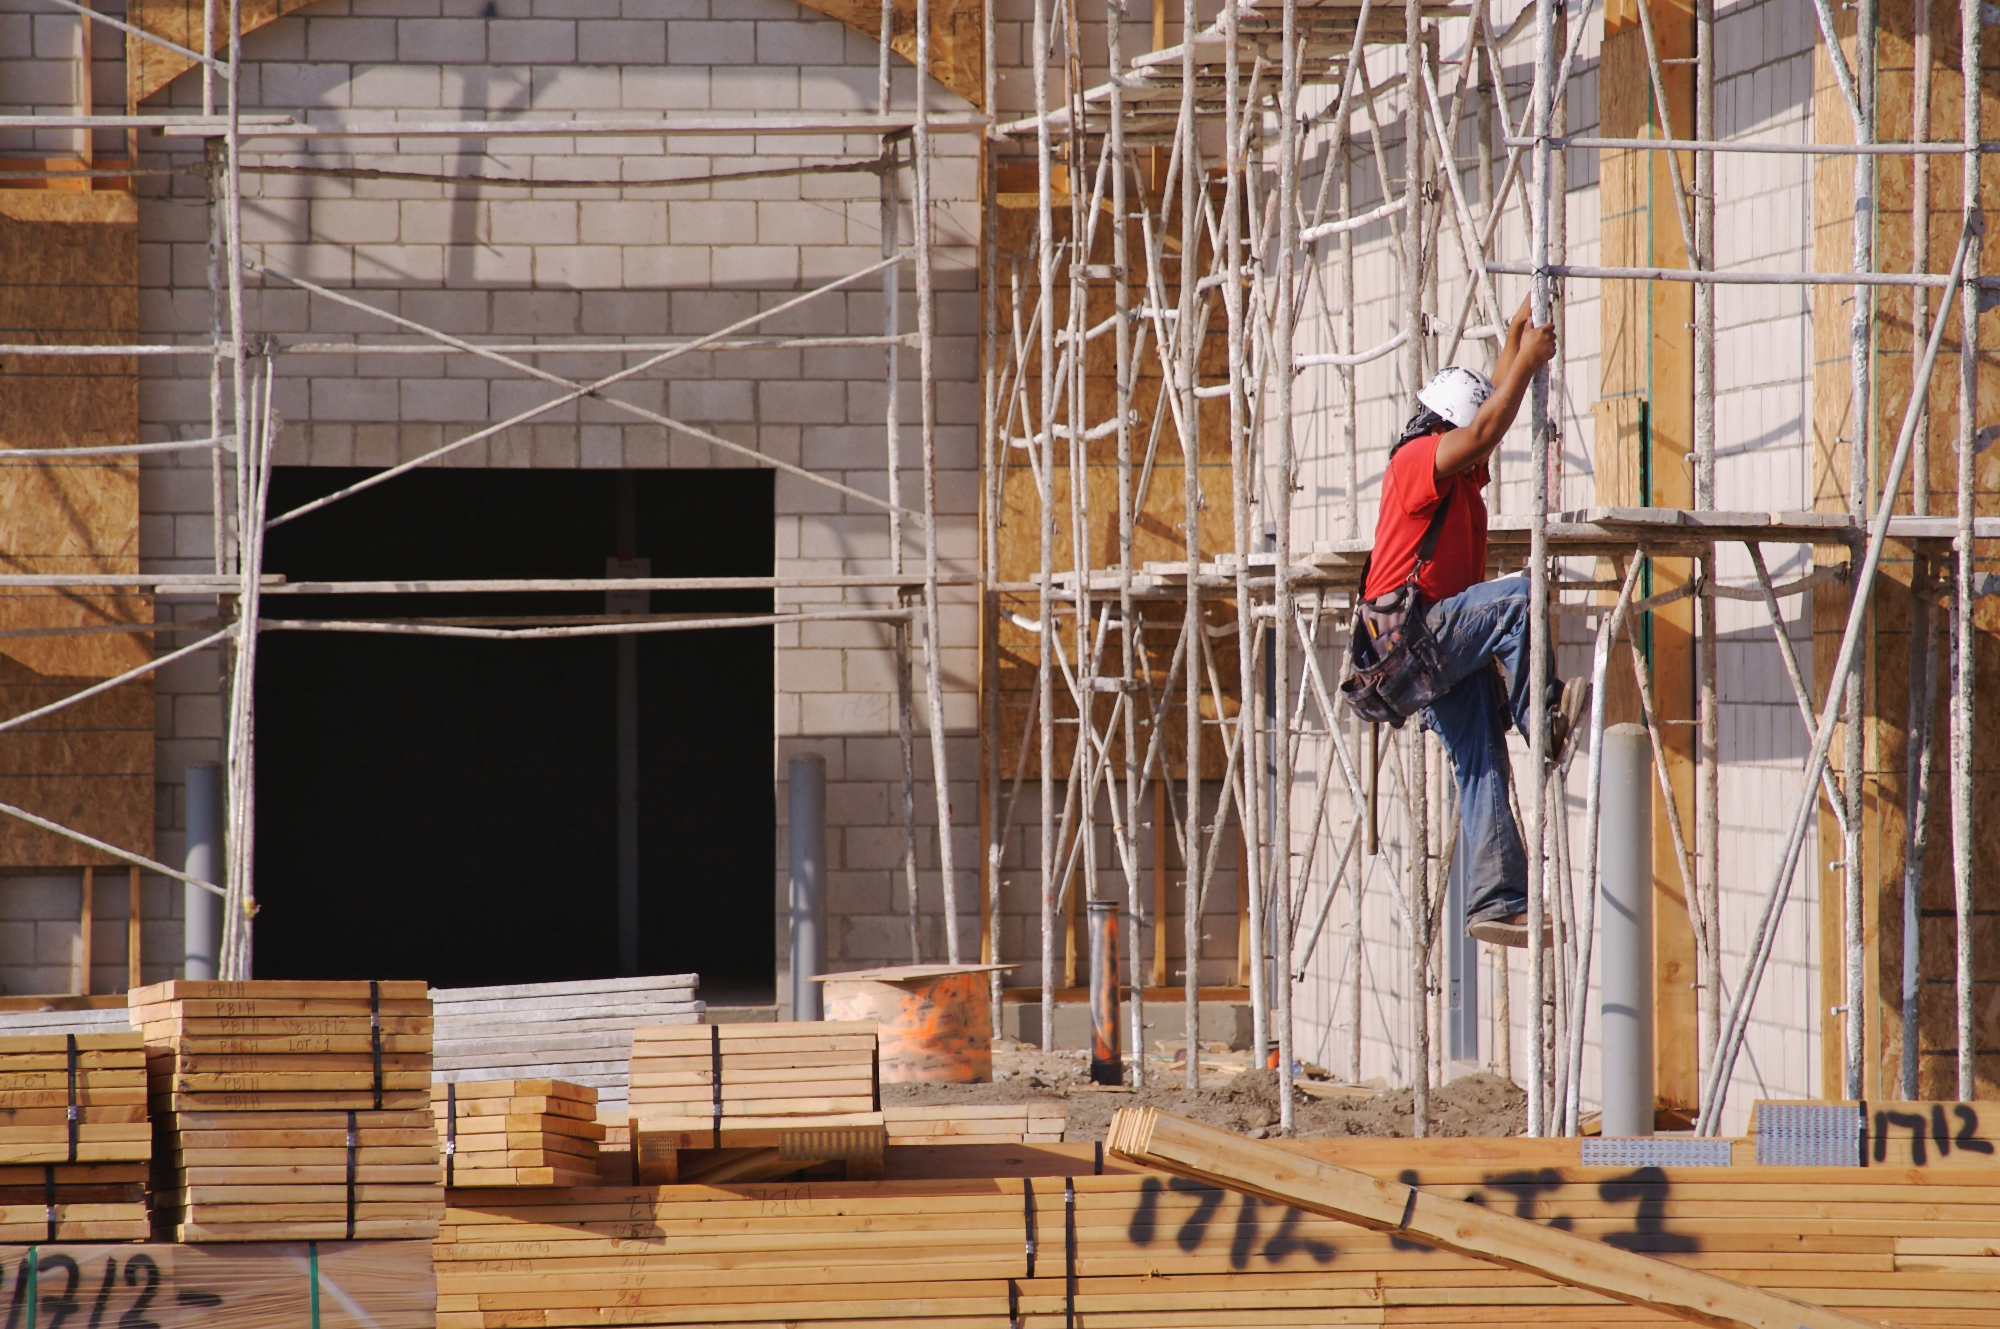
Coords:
pixel 1526 349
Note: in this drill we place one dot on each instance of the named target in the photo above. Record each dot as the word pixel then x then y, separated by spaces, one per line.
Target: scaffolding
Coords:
pixel 1218 245
pixel 1202 152
pixel 243 426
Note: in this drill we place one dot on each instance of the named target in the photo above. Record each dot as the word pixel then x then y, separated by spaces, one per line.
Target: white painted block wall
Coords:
pixel 597 264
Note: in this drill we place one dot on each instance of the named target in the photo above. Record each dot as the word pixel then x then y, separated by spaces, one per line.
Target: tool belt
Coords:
pixel 1393 666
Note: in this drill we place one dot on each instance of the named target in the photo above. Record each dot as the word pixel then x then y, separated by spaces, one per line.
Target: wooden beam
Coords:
pixel 1649 358
pixel 133 977
pixel 958 40
pixel 83 932
pixel 1221 1158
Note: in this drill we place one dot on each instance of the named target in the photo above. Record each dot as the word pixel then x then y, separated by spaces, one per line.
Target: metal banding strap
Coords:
pixel 49 1199
pixel 353 1144
pixel 450 1130
pixel 375 1037
pixel 1069 1253
pixel 74 1115
pixel 1028 1217
pixel 1013 1304
pixel 715 1079
pixel 1409 1208
pixel 1099 1169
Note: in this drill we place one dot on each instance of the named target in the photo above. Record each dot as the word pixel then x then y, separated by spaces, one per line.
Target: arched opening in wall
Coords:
pixel 448 808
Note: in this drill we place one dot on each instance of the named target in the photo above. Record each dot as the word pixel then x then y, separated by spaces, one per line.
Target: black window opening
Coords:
pixel 447 809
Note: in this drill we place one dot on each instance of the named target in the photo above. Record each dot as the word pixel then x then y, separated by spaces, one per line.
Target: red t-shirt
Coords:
pixel 1411 492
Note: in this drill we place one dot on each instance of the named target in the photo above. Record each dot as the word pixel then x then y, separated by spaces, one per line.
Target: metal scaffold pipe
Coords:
pixel 1284 319
pixel 1187 346
pixel 1044 478
pixel 1543 428
pixel 1964 643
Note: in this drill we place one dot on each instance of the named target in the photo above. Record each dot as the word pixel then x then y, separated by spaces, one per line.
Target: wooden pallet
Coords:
pixel 758 1148
pixel 518 1133
pixel 1139 1249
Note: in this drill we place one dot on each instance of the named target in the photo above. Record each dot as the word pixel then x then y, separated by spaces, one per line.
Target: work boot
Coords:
pixel 1566 718
pixel 1509 931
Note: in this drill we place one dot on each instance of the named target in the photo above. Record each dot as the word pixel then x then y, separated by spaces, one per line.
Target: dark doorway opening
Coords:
pixel 446 809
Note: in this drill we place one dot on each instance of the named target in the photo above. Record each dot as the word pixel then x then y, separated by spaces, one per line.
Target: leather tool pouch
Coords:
pixel 1393 665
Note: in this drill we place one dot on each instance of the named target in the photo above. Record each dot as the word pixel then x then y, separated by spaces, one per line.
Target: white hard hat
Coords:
pixel 1455 393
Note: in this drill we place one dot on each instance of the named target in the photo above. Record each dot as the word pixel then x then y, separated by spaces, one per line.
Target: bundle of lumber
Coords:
pixel 1139 1249
pixel 721 1076
pixel 292 1110
pixel 73 1202
pixel 518 1133
pixel 74 1098
pixel 265 1045
pixel 974 1123
pixel 74 1140
pixel 752 1102
pixel 580 1033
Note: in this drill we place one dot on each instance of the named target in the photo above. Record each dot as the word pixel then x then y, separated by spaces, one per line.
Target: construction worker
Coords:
pixel 1431 637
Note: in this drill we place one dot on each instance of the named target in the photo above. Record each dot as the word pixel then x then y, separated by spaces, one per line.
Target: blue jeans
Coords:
pixel 1476 629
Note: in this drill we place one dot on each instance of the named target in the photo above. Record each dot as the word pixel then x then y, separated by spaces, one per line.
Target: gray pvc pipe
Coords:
pixel 201 910
pixel 808 843
pixel 1625 866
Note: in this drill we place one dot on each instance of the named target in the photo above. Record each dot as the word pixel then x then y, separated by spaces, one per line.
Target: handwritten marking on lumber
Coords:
pixel 1202 1153
pixel 1243 1233
pixel 1932 1127
pixel 68 1286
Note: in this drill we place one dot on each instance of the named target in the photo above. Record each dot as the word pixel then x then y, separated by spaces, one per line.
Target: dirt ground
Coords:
pixel 1232 1096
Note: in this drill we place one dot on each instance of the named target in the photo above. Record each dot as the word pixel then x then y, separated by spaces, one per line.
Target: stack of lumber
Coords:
pixel 974 1123
pixel 1136 1250
pixel 746 1076
pixel 580 1033
pixel 518 1133
pixel 783 1096
pixel 74 1141
pixel 292 1110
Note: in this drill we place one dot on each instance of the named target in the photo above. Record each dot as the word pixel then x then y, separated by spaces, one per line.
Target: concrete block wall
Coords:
pixel 638 259
pixel 41 931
